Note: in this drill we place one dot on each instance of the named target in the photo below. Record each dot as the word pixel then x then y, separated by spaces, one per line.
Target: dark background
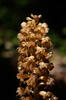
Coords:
pixel 12 13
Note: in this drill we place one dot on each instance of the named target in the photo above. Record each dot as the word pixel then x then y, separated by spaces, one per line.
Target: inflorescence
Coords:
pixel 33 61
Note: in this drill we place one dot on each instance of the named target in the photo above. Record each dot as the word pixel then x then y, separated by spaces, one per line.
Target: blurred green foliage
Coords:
pixel 64 31
pixel 10 18
pixel 22 2
pixel 11 15
pixel 58 42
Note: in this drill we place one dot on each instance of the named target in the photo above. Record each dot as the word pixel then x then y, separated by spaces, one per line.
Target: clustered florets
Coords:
pixel 33 61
